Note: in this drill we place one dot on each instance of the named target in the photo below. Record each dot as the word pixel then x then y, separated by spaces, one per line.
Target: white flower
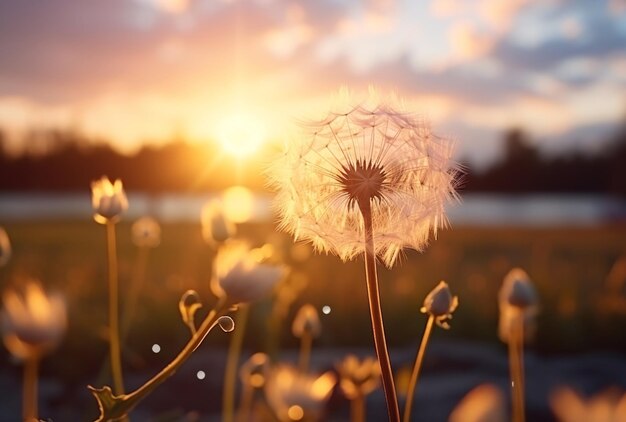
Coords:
pixel 358 378
pixel 239 276
pixel 377 155
pixel 440 304
pixel 216 227
pixel 484 403
pixel 517 300
pixel 307 321
pixel 33 323
pixel 295 396
pixel 5 247
pixel 606 407
pixel 146 232
pixel 108 200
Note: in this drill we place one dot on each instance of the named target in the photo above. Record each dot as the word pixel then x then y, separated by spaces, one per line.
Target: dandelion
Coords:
pixel 358 378
pixel 216 227
pixel 569 406
pixel 109 202
pixel 518 304
pixel 306 326
pixel 372 181
pixel 5 247
pixel 296 396
pixel 484 403
pixel 239 277
pixel 33 325
pixel 146 233
pixel 439 305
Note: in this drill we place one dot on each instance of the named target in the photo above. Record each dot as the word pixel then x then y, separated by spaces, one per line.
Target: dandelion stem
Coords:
pixel 132 399
pixel 378 329
pixel 31 367
pixel 416 369
pixel 357 409
pixel 114 332
pixel 232 362
pixel 306 343
pixel 515 363
pixel 135 288
pixel 246 403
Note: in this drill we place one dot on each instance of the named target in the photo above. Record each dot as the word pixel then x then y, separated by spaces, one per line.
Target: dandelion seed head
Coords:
pixel 108 200
pixel 375 156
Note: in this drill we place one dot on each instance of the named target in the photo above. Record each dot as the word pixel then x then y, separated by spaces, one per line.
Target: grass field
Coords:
pixel 581 289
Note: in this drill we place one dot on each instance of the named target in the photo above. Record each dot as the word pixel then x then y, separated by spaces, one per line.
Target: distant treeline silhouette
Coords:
pixel 67 161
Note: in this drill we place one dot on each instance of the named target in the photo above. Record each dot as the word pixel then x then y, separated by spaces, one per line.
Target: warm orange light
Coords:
pixel 238 204
pixel 241 134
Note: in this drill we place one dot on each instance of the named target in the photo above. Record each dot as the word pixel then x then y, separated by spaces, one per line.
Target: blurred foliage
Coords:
pixel 66 160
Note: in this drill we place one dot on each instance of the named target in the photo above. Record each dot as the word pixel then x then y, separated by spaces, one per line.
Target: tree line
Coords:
pixel 67 161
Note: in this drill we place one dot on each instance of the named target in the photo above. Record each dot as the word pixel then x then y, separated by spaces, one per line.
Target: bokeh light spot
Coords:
pixel 200 375
pixel 295 413
pixel 238 204
pixel 156 348
pixel 326 309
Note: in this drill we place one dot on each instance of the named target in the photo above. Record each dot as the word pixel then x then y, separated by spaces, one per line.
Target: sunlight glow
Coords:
pixel 241 135
pixel 238 204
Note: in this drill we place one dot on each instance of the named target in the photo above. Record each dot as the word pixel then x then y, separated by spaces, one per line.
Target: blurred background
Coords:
pixel 187 100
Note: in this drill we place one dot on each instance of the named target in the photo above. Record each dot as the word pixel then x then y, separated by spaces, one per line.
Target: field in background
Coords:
pixel 576 271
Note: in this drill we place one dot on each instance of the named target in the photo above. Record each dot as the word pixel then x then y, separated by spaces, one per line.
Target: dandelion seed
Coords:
pixel 378 155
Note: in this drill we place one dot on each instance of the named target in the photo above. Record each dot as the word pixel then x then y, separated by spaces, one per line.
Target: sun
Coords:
pixel 241 135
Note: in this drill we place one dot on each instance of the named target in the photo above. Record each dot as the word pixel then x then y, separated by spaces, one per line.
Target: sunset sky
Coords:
pixel 136 71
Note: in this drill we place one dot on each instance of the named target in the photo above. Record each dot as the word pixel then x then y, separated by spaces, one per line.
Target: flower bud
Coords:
pixel 518 305
pixel 33 322
pixel 216 227
pixel 238 276
pixel 109 200
pixel 307 322
pixel 440 304
pixel 146 233
pixel 517 290
pixel 254 372
pixel 5 247
pixel 358 378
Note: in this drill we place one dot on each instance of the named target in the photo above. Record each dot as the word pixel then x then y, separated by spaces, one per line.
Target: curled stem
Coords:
pixel 114 331
pixel 232 362
pixel 29 411
pixel 416 369
pixel 378 329
pixel 114 407
pixel 306 343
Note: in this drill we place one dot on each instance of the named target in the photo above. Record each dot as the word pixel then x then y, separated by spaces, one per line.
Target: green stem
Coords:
pixel 378 329
pixel 114 331
pixel 232 362
pixel 306 343
pixel 31 366
pixel 416 369
pixel 357 409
